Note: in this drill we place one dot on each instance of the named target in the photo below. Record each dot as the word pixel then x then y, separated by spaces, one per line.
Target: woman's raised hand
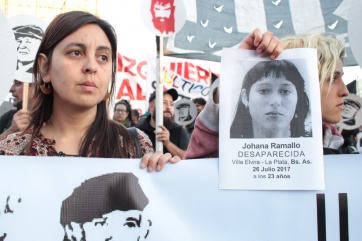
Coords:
pixel 266 44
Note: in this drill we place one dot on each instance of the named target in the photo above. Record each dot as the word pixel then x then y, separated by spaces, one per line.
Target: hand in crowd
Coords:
pixel 163 135
pixel 156 161
pixel 264 43
pixel 21 120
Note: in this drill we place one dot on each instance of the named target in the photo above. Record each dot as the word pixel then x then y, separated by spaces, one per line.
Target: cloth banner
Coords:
pixel 186 88
pixel 213 25
pixel 184 202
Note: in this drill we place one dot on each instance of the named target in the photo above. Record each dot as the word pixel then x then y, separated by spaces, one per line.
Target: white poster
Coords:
pixel 270 121
pixel 8 49
pixel 40 196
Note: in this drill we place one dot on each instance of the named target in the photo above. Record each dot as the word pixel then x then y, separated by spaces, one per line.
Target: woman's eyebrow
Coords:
pixel 105 48
pixel 80 45
pixel 83 46
pixel 338 73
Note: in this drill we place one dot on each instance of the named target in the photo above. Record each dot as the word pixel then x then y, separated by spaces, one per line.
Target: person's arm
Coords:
pixel 174 150
pixel 164 136
pixel 19 123
pixel 153 160
pixel 146 143
pixel 204 142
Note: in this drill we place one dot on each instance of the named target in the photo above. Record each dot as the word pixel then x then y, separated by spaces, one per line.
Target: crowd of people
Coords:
pixel 74 80
pixel 72 74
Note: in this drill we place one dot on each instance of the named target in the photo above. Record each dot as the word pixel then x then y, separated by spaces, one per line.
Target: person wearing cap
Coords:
pixel 173 136
pixel 28 38
pixel 106 207
pixel 351 107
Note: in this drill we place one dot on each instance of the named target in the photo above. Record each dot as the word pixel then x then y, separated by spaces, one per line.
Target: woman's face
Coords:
pixel 272 102
pixel 81 68
pixel 332 97
pixel 120 114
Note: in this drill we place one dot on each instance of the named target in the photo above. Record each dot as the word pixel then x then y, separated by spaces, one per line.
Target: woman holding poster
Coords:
pixel 74 74
pixel 272 103
pixel 330 52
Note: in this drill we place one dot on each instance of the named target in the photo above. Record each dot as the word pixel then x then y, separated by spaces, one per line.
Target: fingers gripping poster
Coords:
pixel 270 121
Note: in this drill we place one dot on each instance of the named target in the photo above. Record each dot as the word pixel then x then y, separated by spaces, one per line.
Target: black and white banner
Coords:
pixel 48 198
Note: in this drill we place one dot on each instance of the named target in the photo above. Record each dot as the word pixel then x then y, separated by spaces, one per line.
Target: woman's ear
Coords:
pixel 244 97
pixel 43 67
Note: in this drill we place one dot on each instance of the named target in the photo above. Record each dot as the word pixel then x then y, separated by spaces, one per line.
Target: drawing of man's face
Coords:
pixel 28 39
pixel 162 12
pixel 349 111
pixel 351 108
pixel 27 48
pixel 117 225
pixel 184 111
pixel 8 218
pixel 163 15
pixel 107 207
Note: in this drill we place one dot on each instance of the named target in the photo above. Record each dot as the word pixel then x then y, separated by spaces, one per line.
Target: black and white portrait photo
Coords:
pixel 28 32
pixel 270 115
pixel 28 38
pixel 273 102
pixel 352 113
pixel 185 111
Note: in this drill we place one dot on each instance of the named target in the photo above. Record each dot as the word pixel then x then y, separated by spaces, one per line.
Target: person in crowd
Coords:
pixel 18 119
pixel 74 68
pixel 106 207
pixel 272 102
pixel 173 136
pixel 122 113
pixel 350 139
pixel 135 117
pixel 200 105
pixel 330 52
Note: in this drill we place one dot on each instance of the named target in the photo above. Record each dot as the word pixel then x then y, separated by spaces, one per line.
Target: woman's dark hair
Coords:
pixel 242 126
pixel 102 138
pixel 128 108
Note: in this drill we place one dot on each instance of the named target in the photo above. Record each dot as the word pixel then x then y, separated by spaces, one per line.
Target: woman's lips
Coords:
pixel 273 113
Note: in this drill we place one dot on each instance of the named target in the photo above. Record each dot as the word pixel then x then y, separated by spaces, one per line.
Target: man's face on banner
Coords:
pixel 184 111
pixel 349 111
pixel 116 225
pixel 162 11
pixel 9 208
pixel 163 15
pixel 27 48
